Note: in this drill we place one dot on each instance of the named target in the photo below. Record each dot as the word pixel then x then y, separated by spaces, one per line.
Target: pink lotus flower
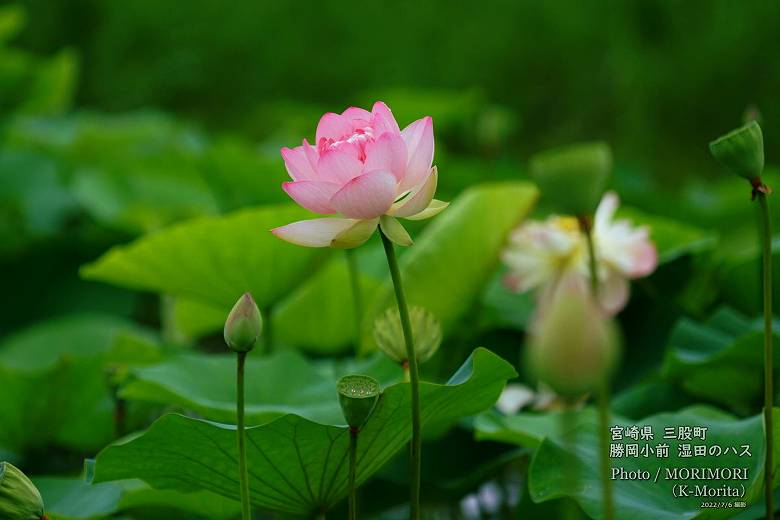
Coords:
pixel 366 169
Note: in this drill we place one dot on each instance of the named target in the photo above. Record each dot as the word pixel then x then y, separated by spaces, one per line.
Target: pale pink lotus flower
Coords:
pixel 540 254
pixel 367 170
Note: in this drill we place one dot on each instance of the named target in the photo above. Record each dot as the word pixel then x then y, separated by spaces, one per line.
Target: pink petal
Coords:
pixel 645 259
pixel 418 137
pixel 351 149
pixel 366 196
pixel 383 120
pixel 311 155
pixel 333 126
pixel 357 115
pixel 339 167
pixel 613 293
pixel 418 199
pixel 387 153
pixel 313 233
pixel 312 195
pixel 297 163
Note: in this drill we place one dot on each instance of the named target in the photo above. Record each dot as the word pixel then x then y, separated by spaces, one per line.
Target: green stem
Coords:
pixel 603 392
pixel 592 265
pixel 416 445
pixel 243 477
pixel 606 480
pixel 357 296
pixel 353 439
pixel 568 430
pixel 766 244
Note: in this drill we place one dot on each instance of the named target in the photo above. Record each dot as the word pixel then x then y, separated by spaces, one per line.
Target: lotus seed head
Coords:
pixel 357 395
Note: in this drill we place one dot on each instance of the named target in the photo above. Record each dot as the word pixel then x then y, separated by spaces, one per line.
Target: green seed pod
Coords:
pixel 243 325
pixel 741 151
pixel 19 498
pixel 573 346
pixel 357 395
pixel 426 332
pixel 573 177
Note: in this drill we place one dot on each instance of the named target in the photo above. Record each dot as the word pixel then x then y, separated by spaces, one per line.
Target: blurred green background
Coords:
pixel 135 114
pixel 656 78
pixel 120 118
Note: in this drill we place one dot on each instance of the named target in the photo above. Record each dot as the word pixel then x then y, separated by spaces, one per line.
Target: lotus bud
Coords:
pixel 389 334
pixel 19 498
pixel 573 345
pixel 742 152
pixel 573 177
pixel 358 396
pixel 243 325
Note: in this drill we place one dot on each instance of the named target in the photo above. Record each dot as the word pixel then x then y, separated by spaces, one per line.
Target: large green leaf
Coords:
pixel 55 386
pixel 75 499
pixel 277 385
pixel 77 337
pixel 34 205
pixel 319 317
pixel 135 171
pixel 454 257
pixel 190 319
pixel 720 360
pixel 37 411
pixel 214 259
pixel 296 466
pixel 651 396
pixel 524 429
pixel 634 499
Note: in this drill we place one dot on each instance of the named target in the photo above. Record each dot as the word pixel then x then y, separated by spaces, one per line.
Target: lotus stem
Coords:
pixel 766 246
pixel 414 378
pixel 353 440
pixel 357 296
pixel 243 476
pixel 603 391
pixel 606 481
pixel 568 430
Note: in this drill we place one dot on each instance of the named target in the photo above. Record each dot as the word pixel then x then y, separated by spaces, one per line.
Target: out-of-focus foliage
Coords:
pixel 214 260
pixel 625 71
pixel 58 379
pixel 74 499
pixel 554 450
pixel 139 145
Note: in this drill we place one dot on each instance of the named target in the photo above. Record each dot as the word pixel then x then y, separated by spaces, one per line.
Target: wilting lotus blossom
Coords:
pixel 361 167
pixel 540 254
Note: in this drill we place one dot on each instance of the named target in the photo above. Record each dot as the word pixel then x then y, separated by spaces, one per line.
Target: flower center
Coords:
pixel 356 142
